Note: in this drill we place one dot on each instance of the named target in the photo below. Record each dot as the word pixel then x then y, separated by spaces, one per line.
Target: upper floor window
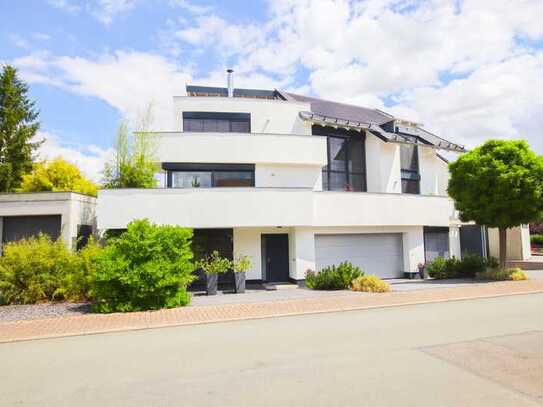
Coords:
pixel 409 160
pixel 189 175
pixel 346 169
pixel 216 122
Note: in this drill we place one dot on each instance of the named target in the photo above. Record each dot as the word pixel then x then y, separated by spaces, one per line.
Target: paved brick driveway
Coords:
pixel 96 323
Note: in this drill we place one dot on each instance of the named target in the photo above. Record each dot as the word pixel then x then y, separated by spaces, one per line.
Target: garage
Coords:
pixel 379 254
pixel 20 227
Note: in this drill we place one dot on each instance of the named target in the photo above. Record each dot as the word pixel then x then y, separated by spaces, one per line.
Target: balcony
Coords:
pixel 260 207
pixel 250 148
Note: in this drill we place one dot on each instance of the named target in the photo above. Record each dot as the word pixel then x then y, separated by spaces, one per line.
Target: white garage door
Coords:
pixel 379 254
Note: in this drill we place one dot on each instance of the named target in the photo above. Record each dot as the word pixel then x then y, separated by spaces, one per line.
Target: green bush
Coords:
pixel 471 264
pixel 536 239
pixel 147 267
pixel 39 269
pixel 514 274
pixel 333 277
pixel 437 268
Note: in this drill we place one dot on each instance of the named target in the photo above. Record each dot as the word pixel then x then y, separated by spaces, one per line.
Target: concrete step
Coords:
pixel 279 286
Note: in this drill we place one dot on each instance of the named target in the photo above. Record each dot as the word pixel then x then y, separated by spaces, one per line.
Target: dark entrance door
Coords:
pixel 275 254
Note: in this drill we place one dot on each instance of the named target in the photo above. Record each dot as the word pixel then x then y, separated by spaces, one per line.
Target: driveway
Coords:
pixel 440 354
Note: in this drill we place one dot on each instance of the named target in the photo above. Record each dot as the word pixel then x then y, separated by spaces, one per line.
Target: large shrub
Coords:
pixel 370 284
pixel 147 267
pixel 333 277
pixel 471 264
pixel 39 269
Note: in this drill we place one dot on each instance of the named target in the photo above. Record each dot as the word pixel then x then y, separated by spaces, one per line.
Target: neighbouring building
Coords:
pixel 299 183
pixel 67 215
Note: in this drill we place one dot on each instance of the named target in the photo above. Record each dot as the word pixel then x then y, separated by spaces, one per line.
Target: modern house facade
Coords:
pixel 297 183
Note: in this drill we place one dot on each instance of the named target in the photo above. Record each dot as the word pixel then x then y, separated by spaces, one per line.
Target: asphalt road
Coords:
pixel 423 355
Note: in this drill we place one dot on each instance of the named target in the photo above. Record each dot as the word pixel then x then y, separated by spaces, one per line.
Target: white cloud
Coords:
pixel 103 10
pixel 90 159
pixel 190 7
pixel 65 5
pixel 106 10
pixel 41 36
pixel 407 51
pixel 127 81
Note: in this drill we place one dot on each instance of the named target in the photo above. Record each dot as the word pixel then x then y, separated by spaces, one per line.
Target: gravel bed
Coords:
pixel 10 313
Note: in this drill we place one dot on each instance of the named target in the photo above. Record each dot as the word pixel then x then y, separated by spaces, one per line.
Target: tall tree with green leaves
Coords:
pixel 133 164
pixel 499 185
pixel 18 126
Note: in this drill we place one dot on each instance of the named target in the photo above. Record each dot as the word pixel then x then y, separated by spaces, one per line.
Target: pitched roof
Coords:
pixel 342 110
pixel 328 113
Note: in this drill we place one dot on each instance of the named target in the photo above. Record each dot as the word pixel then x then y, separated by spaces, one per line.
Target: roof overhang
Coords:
pixel 378 131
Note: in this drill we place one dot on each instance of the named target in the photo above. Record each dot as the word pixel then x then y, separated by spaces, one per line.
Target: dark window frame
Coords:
pixel 346 135
pixel 228 116
pixel 410 175
pixel 211 168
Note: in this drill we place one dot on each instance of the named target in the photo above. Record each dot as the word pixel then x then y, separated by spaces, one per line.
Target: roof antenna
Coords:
pixel 230 82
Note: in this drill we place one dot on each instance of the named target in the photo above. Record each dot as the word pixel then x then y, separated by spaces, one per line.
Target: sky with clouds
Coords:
pixel 468 69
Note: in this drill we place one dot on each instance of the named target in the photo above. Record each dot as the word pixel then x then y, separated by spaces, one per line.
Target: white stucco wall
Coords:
pixel 256 207
pixel 74 208
pixel 267 116
pixel 382 166
pixel 247 241
pixel 288 176
pixel 434 172
pixel 238 148
pixel 518 243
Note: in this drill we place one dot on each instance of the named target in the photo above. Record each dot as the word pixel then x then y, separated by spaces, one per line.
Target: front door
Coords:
pixel 275 253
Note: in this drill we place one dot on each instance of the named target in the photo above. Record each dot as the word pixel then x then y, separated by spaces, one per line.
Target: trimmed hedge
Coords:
pixel 333 277
pixel 536 240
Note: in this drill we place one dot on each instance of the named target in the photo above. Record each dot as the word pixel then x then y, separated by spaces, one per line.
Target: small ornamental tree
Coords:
pixel 499 185
pixel 133 164
pixel 57 175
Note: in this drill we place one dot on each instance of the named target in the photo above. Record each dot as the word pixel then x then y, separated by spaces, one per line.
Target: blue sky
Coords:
pixel 468 69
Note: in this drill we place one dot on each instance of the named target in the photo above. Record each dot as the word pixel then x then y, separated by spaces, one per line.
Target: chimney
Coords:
pixel 230 82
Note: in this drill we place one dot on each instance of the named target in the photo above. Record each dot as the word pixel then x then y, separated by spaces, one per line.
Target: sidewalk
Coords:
pixel 102 323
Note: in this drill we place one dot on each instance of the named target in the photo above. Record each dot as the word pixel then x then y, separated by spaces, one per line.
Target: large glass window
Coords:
pixel 409 160
pixel 209 175
pixel 216 122
pixel 346 163
pixel 191 179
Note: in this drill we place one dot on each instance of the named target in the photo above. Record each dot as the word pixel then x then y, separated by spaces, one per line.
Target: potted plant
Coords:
pixel 240 265
pixel 212 266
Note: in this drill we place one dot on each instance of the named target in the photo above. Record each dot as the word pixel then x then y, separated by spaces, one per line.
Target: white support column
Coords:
pixel 413 249
pixel 454 241
pixel 247 243
pixel 303 255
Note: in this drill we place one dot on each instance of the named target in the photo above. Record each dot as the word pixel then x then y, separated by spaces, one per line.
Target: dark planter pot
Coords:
pixel 422 272
pixel 239 282
pixel 212 281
